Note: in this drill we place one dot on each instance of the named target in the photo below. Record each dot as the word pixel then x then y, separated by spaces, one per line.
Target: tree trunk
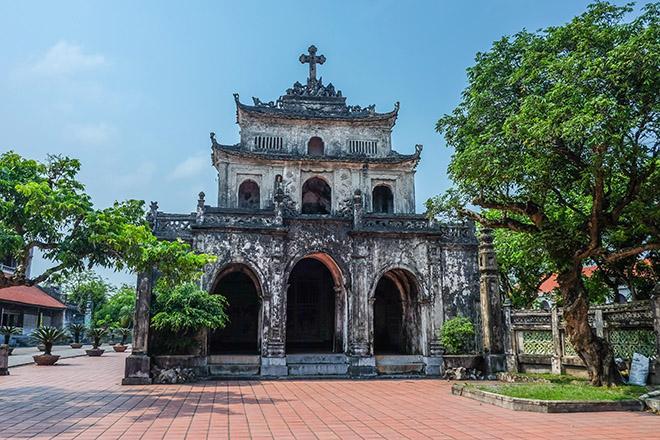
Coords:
pixel 594 351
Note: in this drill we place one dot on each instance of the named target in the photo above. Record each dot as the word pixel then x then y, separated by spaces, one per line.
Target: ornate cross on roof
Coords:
pixel 312 59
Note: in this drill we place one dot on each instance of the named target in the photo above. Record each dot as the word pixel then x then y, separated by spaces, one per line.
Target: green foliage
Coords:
pixel 118 310
pixel 187 308
pixel 77 330
pixel 82 287
pixel 47 336
pixel 8 330
pixel 97 333
pixel 556 137
pixel 575 390
pixel 44 207
pixel 457 335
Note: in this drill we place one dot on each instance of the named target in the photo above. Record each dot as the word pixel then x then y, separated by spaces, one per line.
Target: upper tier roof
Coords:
pixel 314 100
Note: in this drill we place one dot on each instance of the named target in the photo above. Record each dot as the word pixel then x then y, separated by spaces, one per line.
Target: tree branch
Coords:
pixel 44 276
pixel 629 252
pixel 528 209
pixel 506 223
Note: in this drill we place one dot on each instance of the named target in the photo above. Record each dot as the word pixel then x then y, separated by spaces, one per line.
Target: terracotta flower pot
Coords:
pixel 119 348
pixel 76 345
pixel 94 352
pixel 45 359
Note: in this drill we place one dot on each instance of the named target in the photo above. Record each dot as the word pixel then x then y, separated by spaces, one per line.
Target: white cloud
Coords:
pixel 138 178
pixel 92 134
pixel 190 167
pixel 65 58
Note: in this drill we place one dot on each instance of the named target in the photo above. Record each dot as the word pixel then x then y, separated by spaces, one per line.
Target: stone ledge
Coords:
pixel 545 406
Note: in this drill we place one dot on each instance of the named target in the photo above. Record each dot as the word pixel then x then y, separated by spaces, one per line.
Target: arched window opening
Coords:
pixel 383 199
pixel 315 146
pixel 248 195
pixel 316 197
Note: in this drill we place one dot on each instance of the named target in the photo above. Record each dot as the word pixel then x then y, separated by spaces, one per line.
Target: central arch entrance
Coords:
pixel 311 309
pixel 396 314
pixel 241 335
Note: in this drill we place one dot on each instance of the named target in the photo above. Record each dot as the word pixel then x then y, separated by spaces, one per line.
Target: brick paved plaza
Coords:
pixel 81 398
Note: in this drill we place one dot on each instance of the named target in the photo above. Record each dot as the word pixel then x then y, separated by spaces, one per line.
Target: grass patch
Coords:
pixel 575 390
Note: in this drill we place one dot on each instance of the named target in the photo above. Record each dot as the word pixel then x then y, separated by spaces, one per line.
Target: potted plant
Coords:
pixel 7 331
pixel 77 330
pixel 457 338
pixel 96 334
pixel 47 336
pixel 121 346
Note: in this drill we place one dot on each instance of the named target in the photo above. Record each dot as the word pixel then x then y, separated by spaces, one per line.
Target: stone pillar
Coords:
pixel 655 308
pixel 358 209
pixel 138 364
pixel 510 349
pixel 491 304
pixel 360 309
pixel 555 362
pixel 273 356
pixel 4 360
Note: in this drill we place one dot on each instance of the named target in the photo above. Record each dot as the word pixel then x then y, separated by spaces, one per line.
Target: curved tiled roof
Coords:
pixel 30 296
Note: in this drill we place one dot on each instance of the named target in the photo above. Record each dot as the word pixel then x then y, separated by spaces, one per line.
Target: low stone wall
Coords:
pixel 536 341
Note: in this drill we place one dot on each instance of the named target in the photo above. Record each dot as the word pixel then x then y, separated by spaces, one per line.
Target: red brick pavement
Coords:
pixel 82 398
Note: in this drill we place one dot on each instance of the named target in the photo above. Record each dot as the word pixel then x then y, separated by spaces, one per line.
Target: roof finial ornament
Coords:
pixel 312 60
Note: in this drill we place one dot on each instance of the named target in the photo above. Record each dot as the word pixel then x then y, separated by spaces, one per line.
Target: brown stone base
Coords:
pixel 137 370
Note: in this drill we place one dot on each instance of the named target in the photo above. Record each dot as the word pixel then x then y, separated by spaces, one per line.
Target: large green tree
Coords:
pixel 118 310
pixel 43 207
pixel 556 136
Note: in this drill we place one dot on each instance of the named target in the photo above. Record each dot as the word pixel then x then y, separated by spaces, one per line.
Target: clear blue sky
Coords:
pixel 134 88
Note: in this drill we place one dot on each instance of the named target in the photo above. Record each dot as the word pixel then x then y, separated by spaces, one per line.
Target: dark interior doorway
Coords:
pixel 240 336
pixel 249 195
pixel 310 308
pixel 388 315
pixel 316 196
pixel 315 146
pixel 383 199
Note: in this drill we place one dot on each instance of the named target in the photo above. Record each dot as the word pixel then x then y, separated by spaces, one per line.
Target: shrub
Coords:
pixel 48 336
pixel 8 330
pixel 96 334
pixel 77 330
pixel 457 335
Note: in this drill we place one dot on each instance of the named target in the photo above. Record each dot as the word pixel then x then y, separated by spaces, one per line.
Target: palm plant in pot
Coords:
pixel 121 346
pixel 96 334
pixel 7 331
pixel 46 337
pixel 77 331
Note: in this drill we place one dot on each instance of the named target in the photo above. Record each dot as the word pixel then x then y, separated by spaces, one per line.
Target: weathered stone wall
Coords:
pixel 335 134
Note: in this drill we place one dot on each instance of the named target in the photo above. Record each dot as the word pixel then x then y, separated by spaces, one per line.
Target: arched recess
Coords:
pixel 242 334
pixel 397 315
pixel 382 199
pixel 316 196
pixel 315 305
pixel 249 196
pixel 315 146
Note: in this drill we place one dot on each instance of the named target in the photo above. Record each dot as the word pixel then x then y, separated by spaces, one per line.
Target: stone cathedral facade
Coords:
pixel 326 265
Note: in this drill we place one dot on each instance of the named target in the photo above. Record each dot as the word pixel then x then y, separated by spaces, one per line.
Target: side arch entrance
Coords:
pixel 241 287
pixel 314 306
pixel 397 314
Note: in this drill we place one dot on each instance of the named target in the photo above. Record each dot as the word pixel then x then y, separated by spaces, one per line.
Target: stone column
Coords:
pixel 360 310
pixel 491 304
pixel 138 364
pixel 4 360
pixel 273 356
pixel 555 362
pixel 655 308
pixel 510 349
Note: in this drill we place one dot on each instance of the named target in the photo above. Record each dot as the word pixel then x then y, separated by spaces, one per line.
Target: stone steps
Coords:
pixel 400 364
pixel 233 365
pixel 321 364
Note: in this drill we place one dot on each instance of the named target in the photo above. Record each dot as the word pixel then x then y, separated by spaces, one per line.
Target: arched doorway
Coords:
pixel 316 196
pixel 315 146
pixel 396 314
pixel 310 309
pixel 241 335
pixel 382 199
pixel 248 195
